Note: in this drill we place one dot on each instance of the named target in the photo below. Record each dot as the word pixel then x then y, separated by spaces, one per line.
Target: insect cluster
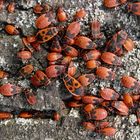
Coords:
pixel 67 46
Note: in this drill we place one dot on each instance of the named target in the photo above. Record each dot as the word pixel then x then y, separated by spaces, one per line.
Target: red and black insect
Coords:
pixel 72 31
pixel 40 78
pixel 9 89
pixel 11 29
pixel 44 20
pixel 11 7
pixel 111 58
pixel 54 71
pixel 55 46
pixel 115 45
pixel 96 114
pixel 109 94
pixel 70 51
pixel 113 3
pixel 26 70
pixel 3 74
pixel 1 4
pixel 86 79
pixel 81 13
pixel 121 107
pixel 72 85
pixel 84 42
pixel 130 82
pixel 89 126
pixel 72 69
pixel 42 8
pixel 134 8
pixel 120 43
pixel 128 100
pixel 5 115
pixel 24 55
pixel 54 56
pixel 105 73
pixel 92 64
pixel 92 55
pixel 95 30
pixel 91 100
pixel 61 15
pixel 46 34
pixel 30 96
